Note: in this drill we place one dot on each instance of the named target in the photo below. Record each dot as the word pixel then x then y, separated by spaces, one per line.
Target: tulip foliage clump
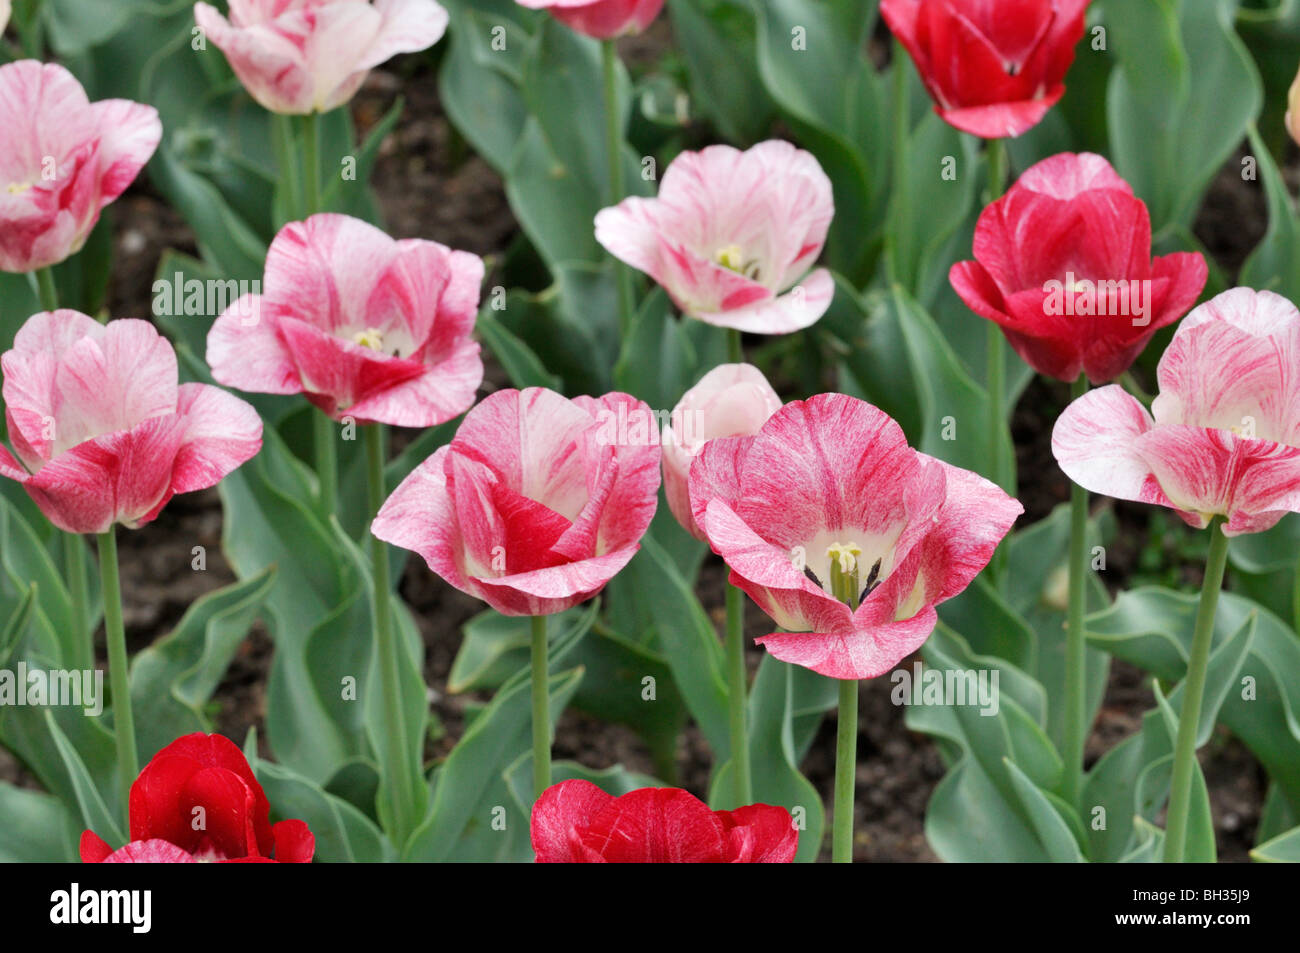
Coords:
pixel 823 368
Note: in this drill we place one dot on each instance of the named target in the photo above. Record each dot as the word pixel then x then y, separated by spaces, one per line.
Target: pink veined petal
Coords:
pixel 419 516
pixel 1095 441
pixel 1001 120
pixel 1267 490
pixel 245 351
pixel 715 474
pixel 408 26
pixel 760 834
pixel 129 135
pixel 1067 174
pixel 606 19
pixel 562 809
pixel 1263 313
pixel 1187 274
pixel 799 308
pixel 154 851
pixel 622 517
pixel 553 589
pixel 221 433
pixel 853 654
pixel 630 231
pixel 294 842
pixel 440 393
pixel 270 67
pixel 656 825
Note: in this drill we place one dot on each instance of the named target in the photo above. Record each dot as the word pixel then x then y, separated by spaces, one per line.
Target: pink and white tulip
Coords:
pixel 538 501
pixel 732 400
pixel 62 159
pixel 1223 438
pixel 829 489
pixel 303 56
pixel 600 19
pixel 102 431
pixel 4 14
pixel 732 235
pixel 367 327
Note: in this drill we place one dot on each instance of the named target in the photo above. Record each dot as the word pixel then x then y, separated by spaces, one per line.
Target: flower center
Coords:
pixel 18 188
pixel 732 258
pixel 845 578
pixel 372 338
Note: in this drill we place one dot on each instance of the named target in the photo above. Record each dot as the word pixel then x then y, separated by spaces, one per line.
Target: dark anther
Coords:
pixel 813 576
pixel 873 580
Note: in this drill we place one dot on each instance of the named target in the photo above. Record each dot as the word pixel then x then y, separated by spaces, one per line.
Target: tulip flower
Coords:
pixel 62 159
pixel 198 800
pixel 301 56
pixel 732 400
pixel 105 435
pixel 1221 447
pixel 575 822
pixel 847 538
pixel 600 19
pixel 103 432
pixel 732 235
pixel 533 507
pixel 1293 109
pixel 1063 265
pixel 993 69
pixel 367 327
pixel 5 10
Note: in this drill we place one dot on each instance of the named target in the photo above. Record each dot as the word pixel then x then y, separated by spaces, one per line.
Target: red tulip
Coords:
pixel 102 429
pixel 576 822
pixel 537 502
pixel 993 67
pixel 842 533
pixel 1223 436
pixel 198 800
pixel 1063 264
pixel 600 19
pixel 367 327
pixel 62 159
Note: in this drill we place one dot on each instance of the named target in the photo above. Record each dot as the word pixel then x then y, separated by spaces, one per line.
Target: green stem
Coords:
pixel 902 133
pixel 846 763
pixel 282 139
pixel 1180 796
pixel 1076 728
pixel 128 765
pixel 327 461
pixel 541 709
pixel 49 294
pixel 735 352
pixel 617 183
pixel 400 772
pixel 997 355
pixel 311 164
pixel 737 692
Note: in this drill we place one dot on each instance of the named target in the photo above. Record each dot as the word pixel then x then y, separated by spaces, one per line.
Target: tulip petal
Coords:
pixel 1095 441
pixel 853 654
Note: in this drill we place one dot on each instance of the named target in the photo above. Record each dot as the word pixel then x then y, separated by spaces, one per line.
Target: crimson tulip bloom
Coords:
pixel 732 400
pixel 1063 264
pixel 732 235
pixel 367 327
pixel 575 822
pixel 993 67
pixel 198 800
pixel 301 56
pixel 62 159
pixel 102 429
pixel 538 501
pixel 600 19
pixel 1223 437
pixel 843 534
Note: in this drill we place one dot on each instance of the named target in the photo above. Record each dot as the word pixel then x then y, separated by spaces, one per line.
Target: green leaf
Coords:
pixel 522 366
pixel 343 834
pixel 38 828
pixel 95 814
pixel 1283 849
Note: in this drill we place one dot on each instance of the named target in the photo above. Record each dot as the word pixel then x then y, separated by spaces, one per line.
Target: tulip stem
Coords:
pixel 617 183
pixel 282 139
pixel 1076 703
pixel 128 765
pixel 311 163
pixel 1189 718
pixel 737 696
pixel 900 227
pixel 327 462
pixel 846 765
pixel 541 708
pixel 399 773
pixel 49 294
pixel 735 350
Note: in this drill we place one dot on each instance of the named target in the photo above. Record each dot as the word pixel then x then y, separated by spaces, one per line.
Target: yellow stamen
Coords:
pixel 18 188
pixel 372 338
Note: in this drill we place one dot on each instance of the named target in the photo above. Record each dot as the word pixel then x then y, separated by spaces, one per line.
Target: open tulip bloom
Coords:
pixel 303 56
pixel 732 235
pixel 847 538
pixel 198 801
pixel 575 822
pixel 533 507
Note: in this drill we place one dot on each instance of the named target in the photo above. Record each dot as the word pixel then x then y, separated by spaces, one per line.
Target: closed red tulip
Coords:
pixel 575 822
pixel 1063 264
pixel 538 501
pixel 198 800
pixel 62 159
pixel 993 67
pixel 103 432
pixel 600 19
